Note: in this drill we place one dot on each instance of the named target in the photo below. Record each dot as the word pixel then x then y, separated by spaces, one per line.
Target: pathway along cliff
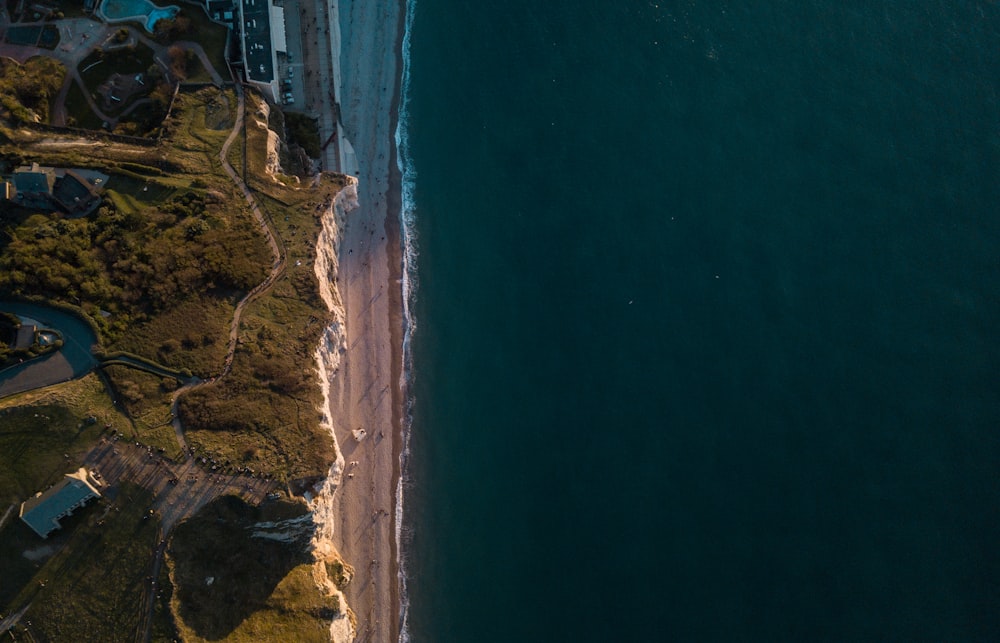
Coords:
pixel 277 267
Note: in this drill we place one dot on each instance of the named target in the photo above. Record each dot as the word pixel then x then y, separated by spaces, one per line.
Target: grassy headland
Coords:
pixel 159 270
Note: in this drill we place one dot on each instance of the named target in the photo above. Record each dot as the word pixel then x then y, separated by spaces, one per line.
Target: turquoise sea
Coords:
pixel 707 318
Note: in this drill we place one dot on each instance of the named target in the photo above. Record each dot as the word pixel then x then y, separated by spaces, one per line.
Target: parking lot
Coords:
pixel 292 62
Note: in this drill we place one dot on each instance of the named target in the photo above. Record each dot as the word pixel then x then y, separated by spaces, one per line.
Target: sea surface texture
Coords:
pixel 708 310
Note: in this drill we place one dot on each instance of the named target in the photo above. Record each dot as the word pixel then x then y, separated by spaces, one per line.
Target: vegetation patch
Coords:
pixel 212 37
pixel 136 262
pixel 44 435
pixel 100 64
pixel 304 132
pixel 191 335
pixel 78 111
pixel 224 575
pixel 159 269
pixel 27 90
pixel 96 587
pixel 146 398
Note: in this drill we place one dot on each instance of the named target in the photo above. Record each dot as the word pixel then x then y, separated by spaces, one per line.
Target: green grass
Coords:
pixel 16 538
pixel 191 335
pixel 132 194
pixel 39 428
pixel 262 589
pixel 147 399
pixel 125 203
pixel 196 72
pixel 95 588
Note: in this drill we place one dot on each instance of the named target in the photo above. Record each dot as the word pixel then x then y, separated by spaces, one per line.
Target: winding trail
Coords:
pixel 277 268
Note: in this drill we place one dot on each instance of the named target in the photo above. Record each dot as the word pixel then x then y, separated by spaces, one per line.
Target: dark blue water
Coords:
pixel 708 321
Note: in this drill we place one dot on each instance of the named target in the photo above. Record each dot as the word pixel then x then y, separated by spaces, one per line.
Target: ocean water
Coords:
pixel 707 320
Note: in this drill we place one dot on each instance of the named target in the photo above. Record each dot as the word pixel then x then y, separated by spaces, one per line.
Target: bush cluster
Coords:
pixel 133 263
pixel 26 90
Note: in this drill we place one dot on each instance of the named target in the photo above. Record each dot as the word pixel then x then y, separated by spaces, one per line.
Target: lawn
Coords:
pixel 43 434
pixel 125 61
pixel 145 191
pixel 95 588
pixel 147 399
pixel 211 36
pixel 38 430
pixel 262 589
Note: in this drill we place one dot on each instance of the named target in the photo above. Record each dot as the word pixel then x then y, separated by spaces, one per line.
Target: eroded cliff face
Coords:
pixel 272 159
pixel 333 344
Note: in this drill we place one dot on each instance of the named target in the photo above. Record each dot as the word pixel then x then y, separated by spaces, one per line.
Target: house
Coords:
pixel 73 191
pixel 33 185
pixel 43 512
pixel 262 24
pixel 75 194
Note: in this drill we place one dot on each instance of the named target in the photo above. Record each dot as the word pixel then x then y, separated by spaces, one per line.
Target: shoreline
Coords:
pixel 397 322
pixel 367 395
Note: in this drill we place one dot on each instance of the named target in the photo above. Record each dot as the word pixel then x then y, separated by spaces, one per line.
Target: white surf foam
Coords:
pixel 409 283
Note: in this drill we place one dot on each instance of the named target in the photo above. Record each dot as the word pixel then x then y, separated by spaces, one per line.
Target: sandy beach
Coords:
pixel 365 393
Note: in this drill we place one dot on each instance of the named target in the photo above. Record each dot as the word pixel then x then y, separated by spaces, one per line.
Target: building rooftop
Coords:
pixel 34 179
pixel 43 511
pixel 74 193
pixel 257 40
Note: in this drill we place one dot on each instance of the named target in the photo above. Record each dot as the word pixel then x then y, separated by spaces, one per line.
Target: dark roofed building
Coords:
pixel 33 186
pixel 221 10
pixel 75 194
pixel 257 52
pixel 43 512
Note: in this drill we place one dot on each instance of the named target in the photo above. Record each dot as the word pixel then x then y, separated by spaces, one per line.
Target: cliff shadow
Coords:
pixel 225 570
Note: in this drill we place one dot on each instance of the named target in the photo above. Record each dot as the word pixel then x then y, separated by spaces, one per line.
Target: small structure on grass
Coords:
pixel 43 512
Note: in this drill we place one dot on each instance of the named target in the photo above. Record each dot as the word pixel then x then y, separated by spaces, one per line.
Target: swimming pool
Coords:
pixel 137 10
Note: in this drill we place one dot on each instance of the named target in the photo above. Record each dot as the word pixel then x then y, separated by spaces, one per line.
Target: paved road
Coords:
pixel 78 37
pixel 73 360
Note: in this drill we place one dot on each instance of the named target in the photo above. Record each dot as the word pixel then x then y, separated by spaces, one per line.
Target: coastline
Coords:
pixel 366 394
